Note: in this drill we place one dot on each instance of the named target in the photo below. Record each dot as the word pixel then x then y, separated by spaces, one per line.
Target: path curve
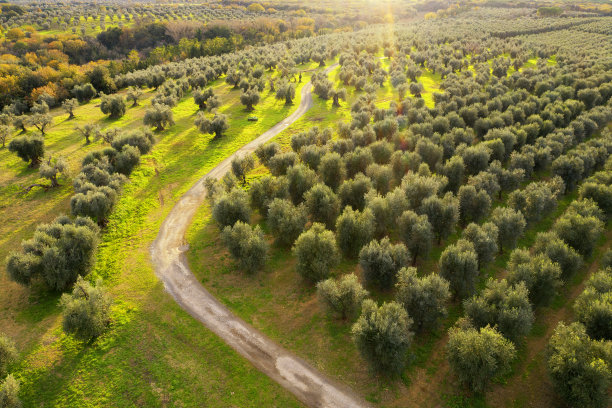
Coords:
pixel 168 254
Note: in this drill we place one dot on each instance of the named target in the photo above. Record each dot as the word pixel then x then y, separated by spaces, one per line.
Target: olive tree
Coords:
pixel 484 239
pixel 29 148
pixel 383 335
pixel 249 98
pixel 242 165
pixel 354 229
pixel 380 261
pixel 9 393
pixel 477 356
pixel 416 233
pixel 231 207
pixel 458 264
pixel 541 276
pixel 510 225
pixel 579 232
pixel 247 245
pixel 442 214
pixel 216 125
pixel 343 296
pixel 286 221
pixel 316 252
pixel 593 307
pixel 579 366
pixel 87 130
pixel 206 99
pixel 322 204
pixel 113 106
pixel 158 115
pixel 8 354
pixel 86 311
pixel 423 298
pixel 503 306
pixel 69 105
pixel 286 91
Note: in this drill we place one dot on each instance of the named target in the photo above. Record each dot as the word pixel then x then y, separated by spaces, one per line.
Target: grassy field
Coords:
pixel 155 354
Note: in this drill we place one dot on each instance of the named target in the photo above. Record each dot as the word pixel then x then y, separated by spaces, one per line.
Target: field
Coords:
pixel 414 99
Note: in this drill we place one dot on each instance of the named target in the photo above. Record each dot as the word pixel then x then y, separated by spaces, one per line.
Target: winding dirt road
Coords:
pixel 167 251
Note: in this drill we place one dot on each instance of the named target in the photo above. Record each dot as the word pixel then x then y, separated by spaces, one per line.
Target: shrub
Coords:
pixel 86 311
pixel 380 261
pixel 232 207
pixel 382 335
pixel 423 298
pixel 247 245
pixel 478 356
pixel 342 296
pixel 316 253
pixel 579 367
pixel 503 306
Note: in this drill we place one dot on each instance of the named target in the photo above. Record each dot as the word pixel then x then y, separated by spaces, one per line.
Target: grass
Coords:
pixel 155 354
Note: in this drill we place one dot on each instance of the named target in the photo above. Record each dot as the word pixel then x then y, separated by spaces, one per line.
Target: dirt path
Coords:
pixel 167 251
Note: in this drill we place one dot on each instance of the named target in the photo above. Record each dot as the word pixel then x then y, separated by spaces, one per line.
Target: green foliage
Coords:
pixel 473 204
pixel 322 204
pixel 286 221
pixel 232 207
pixel 484 239
pixel 241 166
pixel 342 296
pixel 580 368
pixel 316 252
pixel 29 148
pixel 354 229
pixel 86 311
pixel 540 275
pixel 383 335
pixel 9 393
pixel 593 307
pixel 477 356
pixel 265 189
pixel 247 245
pixel 510 225
pixel 158 115
pixel 353 192
pixel 549 244
pixel 113 106
pixel 423 298
pixel 217 125
pixel 380 262
pixel 58 253
pixel 416 232
pixel 459 266
pixel 8 354
pixel 503 306
pixel 579 232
